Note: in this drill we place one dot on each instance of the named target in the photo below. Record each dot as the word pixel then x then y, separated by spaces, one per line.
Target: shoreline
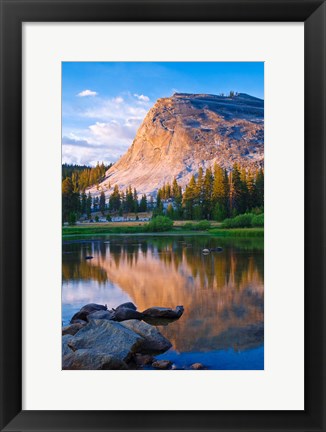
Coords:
pixel 120 231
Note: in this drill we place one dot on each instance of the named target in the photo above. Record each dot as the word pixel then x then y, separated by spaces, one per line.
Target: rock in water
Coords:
pixel 86 310
pixel 107 337
pixel 161 312
pixel 184 132
pixel 72 329
pixel 127 305
pixel 143 359
pixel 123 314
pixel 85 359
pixel 101 314
pixel 154 341
pixel 197 366
pixel 162 364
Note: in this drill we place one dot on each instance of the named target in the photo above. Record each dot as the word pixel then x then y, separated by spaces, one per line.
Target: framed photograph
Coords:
pixel 162 218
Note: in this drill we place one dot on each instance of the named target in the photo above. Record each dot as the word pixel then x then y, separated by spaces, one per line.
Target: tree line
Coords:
pixel 83 176
pixel 213 194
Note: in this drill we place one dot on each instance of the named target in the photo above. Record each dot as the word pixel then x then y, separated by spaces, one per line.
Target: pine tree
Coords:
pixel 199 187
pixel 95 203
pixel 252 192
pixel 83 203
pixel 207 194
pixel 89 205
pixel 170 211
pixel 135 198
pixel 143 204
pixel 189 198
pixel 260 188
pixel 114 200
pixel 70 199
pixel 129 200
pixel 235 191
pixel 176 194
pixel 102 203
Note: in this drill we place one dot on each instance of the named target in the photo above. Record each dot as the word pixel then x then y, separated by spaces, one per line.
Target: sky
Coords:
pixel 103 104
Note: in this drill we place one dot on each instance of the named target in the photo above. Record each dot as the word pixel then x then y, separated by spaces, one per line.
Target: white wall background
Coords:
pixel 280 46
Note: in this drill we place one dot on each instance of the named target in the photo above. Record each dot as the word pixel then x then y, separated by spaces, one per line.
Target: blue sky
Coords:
pixel 103 104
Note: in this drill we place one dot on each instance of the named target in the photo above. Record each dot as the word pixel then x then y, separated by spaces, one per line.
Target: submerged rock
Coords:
pixel 162 364
pixel 72 329
pixel 86 359
pixel 107 337
pixel 86 310
pixel 161 312
pixel 154 341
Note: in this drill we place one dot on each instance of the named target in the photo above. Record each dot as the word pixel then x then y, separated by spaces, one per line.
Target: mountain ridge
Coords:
pixel 186 131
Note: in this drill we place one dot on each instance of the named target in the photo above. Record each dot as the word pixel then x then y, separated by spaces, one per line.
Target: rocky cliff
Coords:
pixel 183 132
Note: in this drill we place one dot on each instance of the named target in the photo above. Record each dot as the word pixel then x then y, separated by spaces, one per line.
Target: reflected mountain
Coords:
pixel 222 292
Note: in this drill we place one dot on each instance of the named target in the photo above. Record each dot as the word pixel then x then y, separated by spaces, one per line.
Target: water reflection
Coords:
pixel 222 293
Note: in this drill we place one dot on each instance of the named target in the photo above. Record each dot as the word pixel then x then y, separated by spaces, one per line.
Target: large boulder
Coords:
pixel 161 312
pixel 86 310
pixel 72 329
pixel 153 340
pixel 107 337
pixel 127 305
pixel 101 314
pixel 124 314
pixel 65 348
pixel 85 359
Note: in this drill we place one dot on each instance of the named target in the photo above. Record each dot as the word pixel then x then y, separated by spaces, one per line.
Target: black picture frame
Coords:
pixel 13 14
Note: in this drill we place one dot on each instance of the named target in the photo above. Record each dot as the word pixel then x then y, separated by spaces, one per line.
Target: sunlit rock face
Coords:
pixel 183 132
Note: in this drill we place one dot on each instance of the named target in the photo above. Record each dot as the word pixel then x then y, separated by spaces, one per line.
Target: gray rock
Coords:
pixel 86 310
pixel 107 337
pixel 161 312
pixel 79 321
pixel 101 314
pixel 153 340
pixel 127 305
pixel 162 364
pixel 72 329
pixel 143 359
pixel 65 348
pixel 85 359
pixel 124 314
pixel 197 366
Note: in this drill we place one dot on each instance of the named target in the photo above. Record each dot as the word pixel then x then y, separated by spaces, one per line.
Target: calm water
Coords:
pixel 222 293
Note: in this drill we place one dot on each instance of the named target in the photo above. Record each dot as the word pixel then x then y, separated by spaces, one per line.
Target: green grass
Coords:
pixel 98 230
pixel 237 232
pixel 218 232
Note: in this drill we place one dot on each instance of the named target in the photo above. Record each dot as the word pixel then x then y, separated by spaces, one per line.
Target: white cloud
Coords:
pixel 106 128
pixel 87 93
pixel 110 109
pixel 142 97
pixel 118 100
pixel 112 132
